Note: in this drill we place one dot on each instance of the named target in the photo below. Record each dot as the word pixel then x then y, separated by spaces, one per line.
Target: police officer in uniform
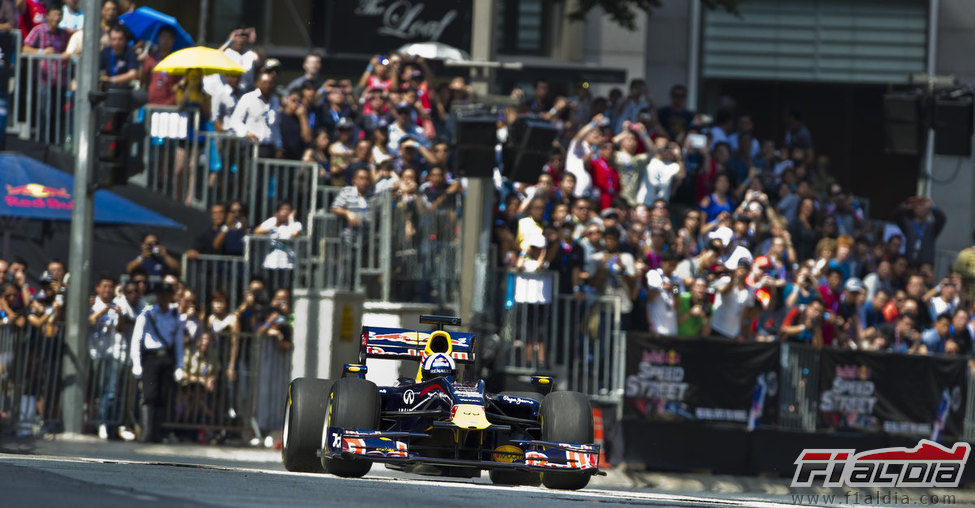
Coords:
pixel 157 357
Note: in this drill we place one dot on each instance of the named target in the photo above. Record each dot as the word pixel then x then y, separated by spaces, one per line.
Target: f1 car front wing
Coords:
pixel 393 447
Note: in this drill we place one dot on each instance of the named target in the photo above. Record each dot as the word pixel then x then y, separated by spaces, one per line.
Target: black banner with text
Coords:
pixel 382 26
pixel 919 396
pixel 707 380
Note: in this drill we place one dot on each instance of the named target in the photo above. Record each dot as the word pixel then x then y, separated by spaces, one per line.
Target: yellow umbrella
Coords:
pixel 210 61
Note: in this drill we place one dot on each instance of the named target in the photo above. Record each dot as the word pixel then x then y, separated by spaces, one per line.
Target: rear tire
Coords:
pixel 508 477
pixel 352 404
pixel 304 415
pixel 566 418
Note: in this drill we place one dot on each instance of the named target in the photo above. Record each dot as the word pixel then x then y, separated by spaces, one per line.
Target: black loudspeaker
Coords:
pixel 475 139
pixel 903 126
pixel 532 133
pixel 953 126
pixel 526 152
pixel 474 161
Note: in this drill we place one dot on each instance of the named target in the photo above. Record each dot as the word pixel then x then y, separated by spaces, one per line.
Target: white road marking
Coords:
pixel 594 494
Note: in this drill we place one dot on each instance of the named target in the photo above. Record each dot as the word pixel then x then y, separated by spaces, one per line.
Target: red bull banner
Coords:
pixel 706 380
pixel 910 395
pixel 35 195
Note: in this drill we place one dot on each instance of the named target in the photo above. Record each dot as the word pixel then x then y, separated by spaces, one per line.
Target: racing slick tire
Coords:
pixel 304 415
pixel 352 404
pixel 508 477
pixel 566 417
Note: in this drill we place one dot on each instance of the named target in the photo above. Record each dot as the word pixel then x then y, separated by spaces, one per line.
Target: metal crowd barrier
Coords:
pixel 404 253
pixel 207 273
pixel 798 387
pixel 425 252
pixel 332 258
pixel 44 112
pixel 30 377
pixel 232 383
pixel 276 181
pixel 11 89
pixel 275 260
pixel 577 339
pixel 171 153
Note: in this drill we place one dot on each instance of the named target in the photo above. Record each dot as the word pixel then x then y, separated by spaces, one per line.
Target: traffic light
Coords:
pixel 118 138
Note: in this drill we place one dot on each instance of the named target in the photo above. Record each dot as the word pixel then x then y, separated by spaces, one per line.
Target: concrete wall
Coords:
pixel 954 188
pixel 667 46
pixel 956 37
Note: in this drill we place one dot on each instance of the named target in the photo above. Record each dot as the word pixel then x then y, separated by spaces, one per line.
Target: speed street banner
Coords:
pixel 701 380
pixel 911 395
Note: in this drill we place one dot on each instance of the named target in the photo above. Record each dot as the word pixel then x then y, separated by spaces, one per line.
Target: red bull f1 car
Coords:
pixel 434 424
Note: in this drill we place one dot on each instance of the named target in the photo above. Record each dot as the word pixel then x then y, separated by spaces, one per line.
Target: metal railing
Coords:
pixel 403 252
pixel 171 153
pixel 276 181
pixel 233 381
pixel 30 377
pixel 798 388
pixel 332 259
pixel 207 273
pixel 275 259
pixel 11 90
pixel 44 111
pixel 576 338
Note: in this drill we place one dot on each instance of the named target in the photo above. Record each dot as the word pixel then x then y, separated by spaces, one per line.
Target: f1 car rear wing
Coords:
pixel 403 343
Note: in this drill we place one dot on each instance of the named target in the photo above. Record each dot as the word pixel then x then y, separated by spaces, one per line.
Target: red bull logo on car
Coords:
pixel 35 195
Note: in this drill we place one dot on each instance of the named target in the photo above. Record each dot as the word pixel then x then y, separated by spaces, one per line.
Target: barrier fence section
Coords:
pixel 234 382
pixel 207 273
pixel 171 153
pixel 10 46
pixel 332 257
pixel 30 377
pixel 578 339
pixel 191 164
pixel 274 259
pixel 44 113
pixel 799 387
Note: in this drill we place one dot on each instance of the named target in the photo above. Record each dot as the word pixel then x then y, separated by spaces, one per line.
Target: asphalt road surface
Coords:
pixel 47 481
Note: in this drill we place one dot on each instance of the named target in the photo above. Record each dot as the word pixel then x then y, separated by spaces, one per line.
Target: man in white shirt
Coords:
pixel 731 298
pixel 255 117
pixel 224 100
pixel 664 171
pixel 581 149
pixel 72 19
pixel 236 49
pixel 731 252
pixel 663 288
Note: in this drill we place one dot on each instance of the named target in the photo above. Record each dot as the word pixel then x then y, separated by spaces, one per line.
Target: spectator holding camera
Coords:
pixel 663 294
pixel 805 325
pixel 153 258
pixel 663 174
pixel 694 311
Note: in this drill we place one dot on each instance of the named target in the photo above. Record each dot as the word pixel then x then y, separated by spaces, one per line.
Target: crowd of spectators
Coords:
pixel 704 230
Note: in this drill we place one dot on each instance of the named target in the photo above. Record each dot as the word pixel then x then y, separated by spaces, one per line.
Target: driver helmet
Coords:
pixel 438 365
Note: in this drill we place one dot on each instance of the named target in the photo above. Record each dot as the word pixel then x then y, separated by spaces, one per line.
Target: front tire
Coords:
pixel 304 415
pixel 566 418
pixel 352 404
